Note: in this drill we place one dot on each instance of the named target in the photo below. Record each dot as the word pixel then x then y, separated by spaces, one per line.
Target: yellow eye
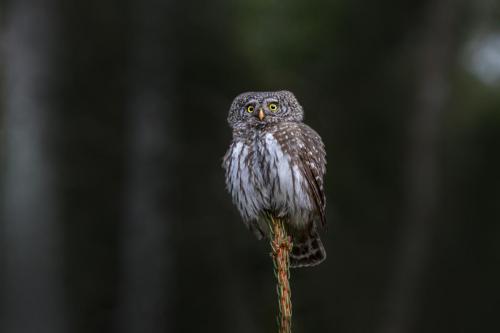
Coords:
pixel 250 108
pixel 273 107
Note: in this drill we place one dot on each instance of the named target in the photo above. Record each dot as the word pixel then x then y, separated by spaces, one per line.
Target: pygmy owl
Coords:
pixel 275 165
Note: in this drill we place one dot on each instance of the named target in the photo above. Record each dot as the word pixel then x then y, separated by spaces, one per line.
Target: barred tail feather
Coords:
pixel 308 251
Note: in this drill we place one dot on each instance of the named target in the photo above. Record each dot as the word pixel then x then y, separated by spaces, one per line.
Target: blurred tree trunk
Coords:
pixel 90 146
pixel 434 57
pixel 147 250
pixel 32 296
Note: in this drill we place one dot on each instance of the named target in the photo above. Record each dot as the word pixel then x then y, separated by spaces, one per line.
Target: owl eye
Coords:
pixel 250 108
pixel 273 107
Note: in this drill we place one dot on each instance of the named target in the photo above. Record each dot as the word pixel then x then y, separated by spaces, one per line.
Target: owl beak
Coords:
pixel 261 114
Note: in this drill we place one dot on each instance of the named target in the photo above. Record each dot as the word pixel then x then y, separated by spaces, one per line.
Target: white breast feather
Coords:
pixel 289 196
pixel 243 189
pixel 252 193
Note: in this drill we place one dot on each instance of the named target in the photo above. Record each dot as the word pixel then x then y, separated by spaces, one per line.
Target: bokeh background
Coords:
pixel 114 215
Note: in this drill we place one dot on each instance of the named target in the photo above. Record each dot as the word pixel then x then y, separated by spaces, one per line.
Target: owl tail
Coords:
pixel 307 250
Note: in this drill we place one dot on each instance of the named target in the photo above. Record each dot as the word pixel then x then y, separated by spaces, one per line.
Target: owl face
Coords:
pixel 258 109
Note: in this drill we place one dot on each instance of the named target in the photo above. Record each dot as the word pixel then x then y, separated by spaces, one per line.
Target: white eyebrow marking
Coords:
pixel 270 100
pixel 251 101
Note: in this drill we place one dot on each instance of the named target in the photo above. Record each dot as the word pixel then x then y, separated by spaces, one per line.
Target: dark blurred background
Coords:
pixel 114 215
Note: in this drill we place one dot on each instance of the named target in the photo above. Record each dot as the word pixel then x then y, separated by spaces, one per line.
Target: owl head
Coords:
pixel 258 109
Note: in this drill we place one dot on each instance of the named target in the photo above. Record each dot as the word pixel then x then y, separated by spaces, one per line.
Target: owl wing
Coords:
pixel 313 163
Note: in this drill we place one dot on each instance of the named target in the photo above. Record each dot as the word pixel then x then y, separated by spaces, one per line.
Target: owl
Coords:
pixel 275 165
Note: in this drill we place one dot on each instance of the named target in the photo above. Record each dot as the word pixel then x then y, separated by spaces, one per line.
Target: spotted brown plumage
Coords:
pixel 275 165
